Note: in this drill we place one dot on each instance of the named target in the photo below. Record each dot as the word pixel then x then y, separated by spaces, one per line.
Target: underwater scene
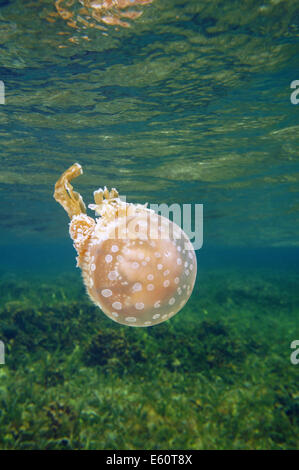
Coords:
pixel 190 341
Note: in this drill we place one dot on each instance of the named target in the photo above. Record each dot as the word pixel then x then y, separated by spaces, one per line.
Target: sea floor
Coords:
pixel 216 376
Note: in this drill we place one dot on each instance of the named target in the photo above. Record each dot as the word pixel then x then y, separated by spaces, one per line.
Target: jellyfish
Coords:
pixel 137 266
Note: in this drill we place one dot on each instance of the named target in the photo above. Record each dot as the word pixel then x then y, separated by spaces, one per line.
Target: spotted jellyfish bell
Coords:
pixel 138 267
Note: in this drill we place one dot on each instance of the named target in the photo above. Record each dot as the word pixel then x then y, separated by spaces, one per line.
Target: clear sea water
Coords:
pixel 190 104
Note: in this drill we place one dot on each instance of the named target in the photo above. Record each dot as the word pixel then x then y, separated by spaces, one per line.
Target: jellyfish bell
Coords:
pixel 137 266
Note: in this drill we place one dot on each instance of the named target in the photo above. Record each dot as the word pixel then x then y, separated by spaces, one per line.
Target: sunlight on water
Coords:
pixel 89 13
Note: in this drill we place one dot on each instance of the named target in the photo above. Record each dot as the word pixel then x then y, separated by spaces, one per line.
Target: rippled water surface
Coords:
pixel 189 102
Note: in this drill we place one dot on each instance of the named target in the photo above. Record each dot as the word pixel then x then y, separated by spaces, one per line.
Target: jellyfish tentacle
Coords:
pixel 65 195
pixel 108 204
pixel 81 226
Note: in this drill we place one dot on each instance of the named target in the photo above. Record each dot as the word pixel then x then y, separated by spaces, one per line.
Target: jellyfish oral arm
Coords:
pixel 81 225
pixel 65 195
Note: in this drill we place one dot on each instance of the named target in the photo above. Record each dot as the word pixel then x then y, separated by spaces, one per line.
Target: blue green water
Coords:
pixel 190 104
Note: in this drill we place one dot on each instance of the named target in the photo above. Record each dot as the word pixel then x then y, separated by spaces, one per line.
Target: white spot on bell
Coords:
pixel 137 287
pixel 139 306
pixel 106 293
pixel 117 305
pixel 130 319
pixel 112 275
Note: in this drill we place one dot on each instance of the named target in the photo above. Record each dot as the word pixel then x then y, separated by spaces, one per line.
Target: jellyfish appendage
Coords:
pixel 81 230
pixel 64 194
pixel 81 226
pixel 108 205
